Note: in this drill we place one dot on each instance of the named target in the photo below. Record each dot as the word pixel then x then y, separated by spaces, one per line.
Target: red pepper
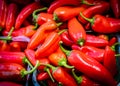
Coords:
pixel 51 83
pixel 25 12
pixel 42 76
pixel 66 38
pixel 3 13
pixel 112 41
pixel 58 3
pixel 41 34
pixel 90 67
pixel 65 13
pixel 92 40
pixel 91 51
pixel 107 25
pixel 12 57
pixel 115 7
pixel 99 8
pixel 110 60
pixel 14 46
pixel 76 31
pixel 8 83
pixel 58 58
pixel 11 16
pixel 4 46
pixel 50 44
pixel 83 80
pixel 21 2
pixel 62 76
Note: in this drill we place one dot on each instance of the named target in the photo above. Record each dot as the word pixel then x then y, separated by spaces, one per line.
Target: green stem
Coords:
pixel 1 28
pixel 48 71
pixel 63 62
pixel 60 32
pixel 10 32
pixel 24 72
pixel 113 46
pixel 38 10
pixel 87 19
pixel 117 55
pixel 36 26
pixel 55 17
pixel 85 2
pixel 7 38
pixel 81 41
pixel 67 52
pixel 58 24
pixel 77 78
pixel 25 60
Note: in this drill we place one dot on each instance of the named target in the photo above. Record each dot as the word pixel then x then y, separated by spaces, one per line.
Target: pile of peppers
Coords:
pixel 59 42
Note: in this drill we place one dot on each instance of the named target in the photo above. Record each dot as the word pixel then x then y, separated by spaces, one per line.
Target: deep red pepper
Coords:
pixel 41 34
pixel 21 2
pixel 65 13
pixel 50 44
pixel 61 75
pixel 112 41
pixel 110 60
pixel 95 41
pixel 12 57
pixel 58 3
pixel 115 7
pixel 99 8
pixel 3 13
pixel 11 16
pixel 83 80
pixel 25 12
pixel 107 25
pixel 51 83
pixel 42 76
pixel 95 70
pixel 91 51
pixel 76 31
pixel 66 38
pixel 8 83
pixel 4 46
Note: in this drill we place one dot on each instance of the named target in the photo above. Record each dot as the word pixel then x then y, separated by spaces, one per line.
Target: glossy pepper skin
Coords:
pixel 92 40
pixel 95 70
pixel 42 76
pixel 41 33
pixel 25 12
pixel 57 3
pixel 12 70
pixel 99 8
pixel 76 31
pixel 50 44
pixel 13 57
pixel 3 13
pixel 11 16
pixel 107 25
pixel 110 60
pixel 65 13
pixel 91 51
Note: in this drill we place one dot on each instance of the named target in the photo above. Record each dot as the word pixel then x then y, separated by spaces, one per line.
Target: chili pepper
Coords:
pixel 91 51
pixel 112 41
pixel 50 83
pixel 11 16
pixel 95 70
pixel 41 33
pixel 12 57
pixel 50 44
pixel 4 46
pixel 58 3
pixel 21 2
pixel 110 60
pixel 99 8
pixel 107 25
pixel 60 75
pixel 14 71
pixel 83 80
pixel 103 36
pixel 3 13
pixel 30 54
pixel 58 58
pixel 14 46
pixel 42 76
pixel 115 8
pixel 25 12
pixel 65 13
pixel 66 38
pixel 8 83
pixel 95 41
pixel 76 31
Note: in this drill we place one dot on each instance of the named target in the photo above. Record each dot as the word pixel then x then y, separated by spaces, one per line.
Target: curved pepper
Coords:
pixel 99 8
pixel 107 25
pixel 25 12
pixel 42 76
pixel 65 13
pixel 76 31
pixel 90 67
